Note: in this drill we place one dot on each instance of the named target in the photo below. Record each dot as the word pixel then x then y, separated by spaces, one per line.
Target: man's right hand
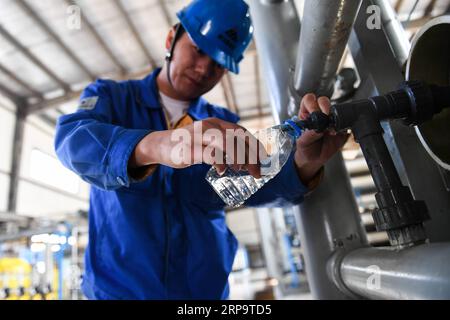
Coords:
pixel 201 142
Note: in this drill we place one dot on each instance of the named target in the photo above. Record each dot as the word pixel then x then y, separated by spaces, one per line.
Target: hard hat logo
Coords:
pixel 222 29
pixel 232 34
pixel 229 38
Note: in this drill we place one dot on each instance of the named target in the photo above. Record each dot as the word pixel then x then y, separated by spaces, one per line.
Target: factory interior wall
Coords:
pixel 45 187
pixel 7 118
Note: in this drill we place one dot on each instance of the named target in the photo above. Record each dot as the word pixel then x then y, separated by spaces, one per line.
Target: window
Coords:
pixel 48 170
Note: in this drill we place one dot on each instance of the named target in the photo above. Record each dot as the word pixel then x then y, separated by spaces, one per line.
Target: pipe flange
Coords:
pixel 400 215
pixel 334 273
pixel 421 100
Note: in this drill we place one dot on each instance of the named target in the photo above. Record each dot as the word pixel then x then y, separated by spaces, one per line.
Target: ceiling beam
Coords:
pixel 25 85
pixel 99 39
pixel 135 32
pixel 52 103
pixel 38 20
pixel 416 23
pixel 70 95
pixel 429 8
pixel 33 58
pixel 166 13
pixel 9 94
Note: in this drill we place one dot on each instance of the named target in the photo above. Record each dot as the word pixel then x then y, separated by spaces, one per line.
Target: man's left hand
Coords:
pixel 315 149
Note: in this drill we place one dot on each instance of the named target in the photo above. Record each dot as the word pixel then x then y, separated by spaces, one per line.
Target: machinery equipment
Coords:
pixel 339 261
pixel 414 103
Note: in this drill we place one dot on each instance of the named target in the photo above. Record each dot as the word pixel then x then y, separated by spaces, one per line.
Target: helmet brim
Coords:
pixel 217 55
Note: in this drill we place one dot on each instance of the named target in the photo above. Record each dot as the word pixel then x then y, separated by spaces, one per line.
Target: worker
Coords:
pixel 156 228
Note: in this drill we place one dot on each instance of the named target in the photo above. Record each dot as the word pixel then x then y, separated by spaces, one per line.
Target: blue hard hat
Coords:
pixel 220 28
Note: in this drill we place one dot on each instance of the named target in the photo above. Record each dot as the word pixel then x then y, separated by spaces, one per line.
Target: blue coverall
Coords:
pixel 164 237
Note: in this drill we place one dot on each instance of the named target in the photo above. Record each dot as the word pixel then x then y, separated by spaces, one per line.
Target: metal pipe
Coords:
pixel 394 31
pixel 324 228
pixel 370 50
pixel 420 272
pixel 327 27
pixel 276 52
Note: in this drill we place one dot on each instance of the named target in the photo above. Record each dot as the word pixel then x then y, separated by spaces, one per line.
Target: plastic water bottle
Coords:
pixel 236 187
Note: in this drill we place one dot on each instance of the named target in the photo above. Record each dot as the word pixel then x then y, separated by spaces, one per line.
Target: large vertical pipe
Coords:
pixel 329 219
pixel 277 31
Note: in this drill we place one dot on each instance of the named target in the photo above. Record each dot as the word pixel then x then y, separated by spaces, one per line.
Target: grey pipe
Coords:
pixel 327 27
pixel 421 272
pixel 395 32
pixel 277 31
pixel 324 226
pixel 329 220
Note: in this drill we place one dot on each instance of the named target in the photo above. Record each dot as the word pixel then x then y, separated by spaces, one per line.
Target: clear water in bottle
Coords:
pixel 236 187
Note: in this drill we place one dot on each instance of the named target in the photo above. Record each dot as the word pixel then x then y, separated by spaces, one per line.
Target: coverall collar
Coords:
pixel 150 95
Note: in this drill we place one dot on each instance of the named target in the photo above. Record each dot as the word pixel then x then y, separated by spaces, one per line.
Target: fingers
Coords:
pixel 240 147
pixel 324 104
pixel 308 106
pixel 310 103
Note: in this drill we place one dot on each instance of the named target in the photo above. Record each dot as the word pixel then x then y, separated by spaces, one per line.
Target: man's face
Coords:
pixel 193 73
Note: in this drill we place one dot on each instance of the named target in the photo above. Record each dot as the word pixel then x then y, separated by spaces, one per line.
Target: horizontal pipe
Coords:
pixel 420 272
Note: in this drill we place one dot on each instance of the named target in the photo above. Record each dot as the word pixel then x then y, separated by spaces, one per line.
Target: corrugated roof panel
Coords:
pixel 60 64
pixel 12 85
pixel 81 42
pixel 98 11
pixel 112 27
pixel 174 6
pixel 153 27
pixel 28 71
pixel 20 25
pixel 139 5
